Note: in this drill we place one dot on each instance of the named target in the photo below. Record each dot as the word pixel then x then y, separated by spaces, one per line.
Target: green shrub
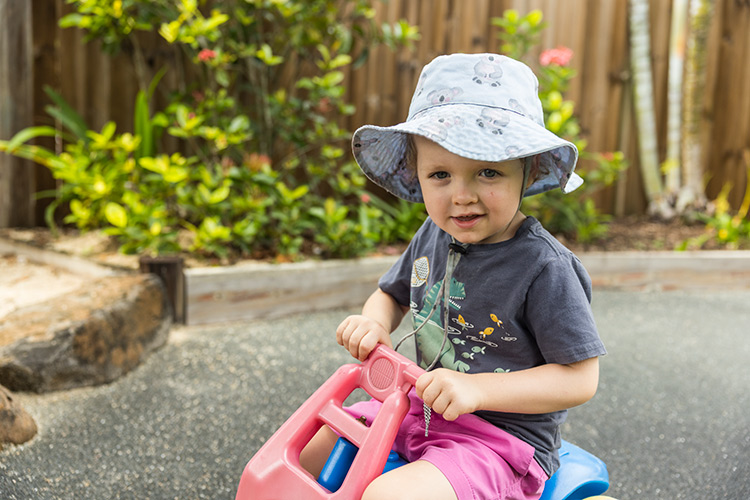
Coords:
pixel 730 230
pixel 260 157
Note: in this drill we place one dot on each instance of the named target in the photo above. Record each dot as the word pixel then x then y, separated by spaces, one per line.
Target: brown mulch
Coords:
pixel 637 233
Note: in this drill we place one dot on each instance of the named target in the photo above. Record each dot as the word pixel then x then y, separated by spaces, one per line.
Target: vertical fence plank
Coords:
pixel 730 138
pixel 46 73
pixel 17 176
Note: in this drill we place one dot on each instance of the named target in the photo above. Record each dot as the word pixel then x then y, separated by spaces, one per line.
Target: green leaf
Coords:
pixel 340 60
pixel 170 31
pixel 215 21
pixel 36 154
pixel 72 20
pixel 28 134
pixel 222 78
pixel 534 17
pixel 265 54
pixel 141 123
pixel 219 195
pixel 158 165
pixel 299 192
pixel 116 214
pixel 66 114
pixel 175 174
pixel 238 124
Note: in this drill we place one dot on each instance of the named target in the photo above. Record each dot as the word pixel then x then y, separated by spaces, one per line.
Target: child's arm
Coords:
pixel 360 333
pixel 542 389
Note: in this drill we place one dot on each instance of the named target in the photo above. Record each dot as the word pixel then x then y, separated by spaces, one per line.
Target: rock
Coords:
pixel 89 337
pixel 16 425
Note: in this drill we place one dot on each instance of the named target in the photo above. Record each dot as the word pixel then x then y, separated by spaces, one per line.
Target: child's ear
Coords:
pixel 534 171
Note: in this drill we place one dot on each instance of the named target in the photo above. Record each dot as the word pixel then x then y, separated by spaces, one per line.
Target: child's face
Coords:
pixel 473 201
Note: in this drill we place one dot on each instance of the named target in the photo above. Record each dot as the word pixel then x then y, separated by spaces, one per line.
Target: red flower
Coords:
pixel 560 56
pixel 206 55
pixel 365 198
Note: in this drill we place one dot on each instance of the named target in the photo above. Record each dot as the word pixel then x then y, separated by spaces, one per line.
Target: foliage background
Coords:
pixel 600 90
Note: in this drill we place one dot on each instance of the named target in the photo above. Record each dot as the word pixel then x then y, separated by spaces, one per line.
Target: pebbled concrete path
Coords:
pixel 670 418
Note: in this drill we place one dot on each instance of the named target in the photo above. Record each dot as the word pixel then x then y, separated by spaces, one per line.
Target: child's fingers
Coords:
pixel 421 385
pixel 344 330
pixel 438 391
pixel 366 344
pixel 355 341
pixel 360 335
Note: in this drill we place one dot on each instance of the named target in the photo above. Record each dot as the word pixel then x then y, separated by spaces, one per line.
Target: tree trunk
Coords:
pixel 692 194
pixel 677 42
pixel 640 61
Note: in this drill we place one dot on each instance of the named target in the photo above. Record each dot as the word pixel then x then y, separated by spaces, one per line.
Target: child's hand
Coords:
pixel 449 393
pixel 359 335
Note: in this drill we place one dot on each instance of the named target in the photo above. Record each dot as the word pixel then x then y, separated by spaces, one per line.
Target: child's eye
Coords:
pixel 489 172
pixel 439 175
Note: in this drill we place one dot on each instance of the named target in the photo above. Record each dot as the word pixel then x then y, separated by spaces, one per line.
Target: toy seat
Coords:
pixel 580 475
pixel 274 473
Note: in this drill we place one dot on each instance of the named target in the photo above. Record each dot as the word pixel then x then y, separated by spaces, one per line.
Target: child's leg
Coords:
pixel 414 481
pixel 315 454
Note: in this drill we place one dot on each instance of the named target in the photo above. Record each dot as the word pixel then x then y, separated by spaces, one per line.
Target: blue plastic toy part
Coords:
pixel 580 475
pixel 341 458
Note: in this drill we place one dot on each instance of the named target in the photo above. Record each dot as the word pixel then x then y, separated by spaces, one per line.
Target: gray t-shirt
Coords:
pixel 514 305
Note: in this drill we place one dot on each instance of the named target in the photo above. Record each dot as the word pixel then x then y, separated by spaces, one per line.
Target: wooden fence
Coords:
pixel 34 52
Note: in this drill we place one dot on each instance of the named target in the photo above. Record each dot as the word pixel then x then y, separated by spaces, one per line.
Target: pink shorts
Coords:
pixel 481 461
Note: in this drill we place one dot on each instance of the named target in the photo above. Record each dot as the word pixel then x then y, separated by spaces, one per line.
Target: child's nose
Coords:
pixel 464 194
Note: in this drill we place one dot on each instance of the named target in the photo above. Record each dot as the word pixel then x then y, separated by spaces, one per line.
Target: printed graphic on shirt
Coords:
pixel 468 340
pixel 461 321
pixel 430 336
pixel 420 271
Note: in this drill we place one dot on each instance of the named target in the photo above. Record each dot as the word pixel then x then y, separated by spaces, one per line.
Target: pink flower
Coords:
pixel 206 55
pixel 255 162
pixel 560 56
pixel 324 105
pixel 365 198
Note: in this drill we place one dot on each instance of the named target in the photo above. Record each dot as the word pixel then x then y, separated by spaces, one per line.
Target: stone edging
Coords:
pixel 254 290
pixel 717 269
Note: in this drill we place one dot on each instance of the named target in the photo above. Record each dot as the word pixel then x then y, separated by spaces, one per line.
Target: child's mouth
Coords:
pixel 466 220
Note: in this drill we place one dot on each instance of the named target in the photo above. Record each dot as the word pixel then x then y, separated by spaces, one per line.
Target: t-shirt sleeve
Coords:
pixel 397 280
pixel 558 310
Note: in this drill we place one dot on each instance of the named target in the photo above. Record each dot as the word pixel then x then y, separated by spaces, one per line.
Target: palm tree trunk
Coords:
pixel 692 193
pixel 677 42
pixel 640 61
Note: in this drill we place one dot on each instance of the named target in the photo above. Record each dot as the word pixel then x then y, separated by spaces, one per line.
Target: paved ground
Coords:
pixel 670 419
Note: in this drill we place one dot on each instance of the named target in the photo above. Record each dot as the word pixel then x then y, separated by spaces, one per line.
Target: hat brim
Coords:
pixel 469 130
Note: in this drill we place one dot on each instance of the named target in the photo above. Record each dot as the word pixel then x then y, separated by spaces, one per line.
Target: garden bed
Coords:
pixel 636 254
pixel 625 234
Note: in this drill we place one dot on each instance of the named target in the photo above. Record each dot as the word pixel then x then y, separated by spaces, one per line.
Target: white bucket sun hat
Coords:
pixel 479 106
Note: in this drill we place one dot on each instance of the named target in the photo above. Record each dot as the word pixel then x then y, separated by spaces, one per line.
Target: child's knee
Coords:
pixel 382 488
pixel 416 481
pixel 316 452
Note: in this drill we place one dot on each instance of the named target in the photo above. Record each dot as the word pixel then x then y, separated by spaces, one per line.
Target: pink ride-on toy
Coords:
pixel 274 473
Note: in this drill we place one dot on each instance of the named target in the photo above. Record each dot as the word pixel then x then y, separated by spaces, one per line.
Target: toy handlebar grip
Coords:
pixel 386 371
pixel 384 375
